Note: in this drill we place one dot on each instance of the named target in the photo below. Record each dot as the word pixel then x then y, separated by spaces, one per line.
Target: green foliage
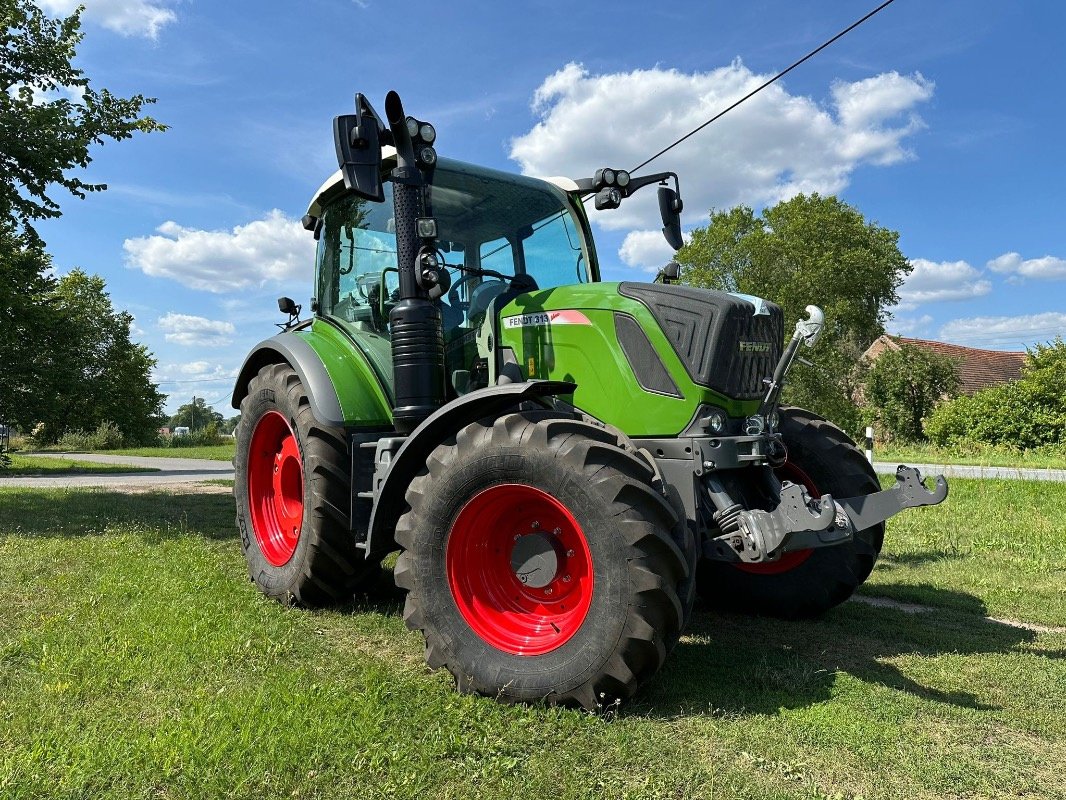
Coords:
pixel 69 363
pixel 196 416
pixel 903 386
pixel 1025 414
pixel 50 115
pixel 95 373
pixel 107 436
pixel 807 250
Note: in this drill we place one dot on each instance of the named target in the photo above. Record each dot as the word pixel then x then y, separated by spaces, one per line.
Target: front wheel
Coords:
pixel 541 563
pixel 804 583
pixel 293 494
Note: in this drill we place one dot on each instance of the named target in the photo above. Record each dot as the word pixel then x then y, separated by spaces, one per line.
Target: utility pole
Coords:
pixel 192 423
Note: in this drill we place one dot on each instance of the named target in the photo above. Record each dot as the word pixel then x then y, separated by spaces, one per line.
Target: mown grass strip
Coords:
pixel 34 465
pixel 974 455
pixel 137 661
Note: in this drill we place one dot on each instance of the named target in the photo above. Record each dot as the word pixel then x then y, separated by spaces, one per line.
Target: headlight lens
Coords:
pixel 428 133
pixel 716 422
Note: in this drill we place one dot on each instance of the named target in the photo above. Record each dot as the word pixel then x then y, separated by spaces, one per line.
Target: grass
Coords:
pixel 30 465
pixel 220 452
pixel 136 660
pixel 976 455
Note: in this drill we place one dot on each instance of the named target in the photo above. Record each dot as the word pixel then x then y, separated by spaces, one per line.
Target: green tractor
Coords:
pixel 561 463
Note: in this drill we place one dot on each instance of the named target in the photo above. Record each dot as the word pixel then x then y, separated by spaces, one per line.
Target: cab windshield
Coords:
pixel 486 219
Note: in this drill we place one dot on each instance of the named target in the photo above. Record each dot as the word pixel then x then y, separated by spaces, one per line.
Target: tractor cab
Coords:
pixel 488 222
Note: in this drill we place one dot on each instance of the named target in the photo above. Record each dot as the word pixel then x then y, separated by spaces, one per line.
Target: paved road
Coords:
pixel 171 471
pixel 960 471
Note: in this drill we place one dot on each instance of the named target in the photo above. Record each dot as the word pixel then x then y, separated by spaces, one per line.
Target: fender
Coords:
pixel 411 457
pixel 327 367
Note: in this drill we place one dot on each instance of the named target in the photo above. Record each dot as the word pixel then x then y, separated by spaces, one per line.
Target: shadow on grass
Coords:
pixel 85 512
pixel 731 664
pixel 727 664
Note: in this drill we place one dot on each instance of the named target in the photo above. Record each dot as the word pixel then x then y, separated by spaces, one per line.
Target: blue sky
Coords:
pixel 939 120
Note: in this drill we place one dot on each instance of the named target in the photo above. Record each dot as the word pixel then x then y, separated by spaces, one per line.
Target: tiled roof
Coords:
pixel 978 369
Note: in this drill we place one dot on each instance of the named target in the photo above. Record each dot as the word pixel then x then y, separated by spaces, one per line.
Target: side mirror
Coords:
pixel 670 273
pixel 286 305
pixel 357 139
pixel 670 206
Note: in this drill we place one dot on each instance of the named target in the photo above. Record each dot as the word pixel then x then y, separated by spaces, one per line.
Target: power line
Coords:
pixel 776 77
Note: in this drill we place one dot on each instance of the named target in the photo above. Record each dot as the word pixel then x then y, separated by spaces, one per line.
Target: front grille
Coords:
pixel 723 344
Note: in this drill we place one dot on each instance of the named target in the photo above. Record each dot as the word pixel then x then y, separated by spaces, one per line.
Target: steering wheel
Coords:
pixel 365 282
pixel 453 293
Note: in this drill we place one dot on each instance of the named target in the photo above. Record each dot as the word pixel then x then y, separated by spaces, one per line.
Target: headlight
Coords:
pixel 622 178
pixel 428 133
pixel 412 127
pixel 716 422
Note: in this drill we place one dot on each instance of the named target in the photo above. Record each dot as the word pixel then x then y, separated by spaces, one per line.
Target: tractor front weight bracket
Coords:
pixel 801 522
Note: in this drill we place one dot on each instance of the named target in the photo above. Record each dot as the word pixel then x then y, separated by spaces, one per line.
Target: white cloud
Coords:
pixel 932 281
pixel 190 330
pixel 1005 331
pixel 269 250
pixel 646 250
pixel 1047 268
pixel 127 17
pixel 772 147
pixel 193 372
pixel 917 327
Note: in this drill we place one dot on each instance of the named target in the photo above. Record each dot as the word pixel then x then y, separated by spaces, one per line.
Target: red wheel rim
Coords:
pixel 275 488
pixel 515 616
pixel 788 561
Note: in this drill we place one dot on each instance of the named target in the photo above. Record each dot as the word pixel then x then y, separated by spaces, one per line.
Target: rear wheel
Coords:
pixel 804 583
pixel 541 563
pixel 293 495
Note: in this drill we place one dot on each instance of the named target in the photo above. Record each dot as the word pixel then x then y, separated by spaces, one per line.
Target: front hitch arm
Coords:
pixel 801 522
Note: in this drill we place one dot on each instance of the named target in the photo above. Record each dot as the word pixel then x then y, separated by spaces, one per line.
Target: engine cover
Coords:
pixel 721 340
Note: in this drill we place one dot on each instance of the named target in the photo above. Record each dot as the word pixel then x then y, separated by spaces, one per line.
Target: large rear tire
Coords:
pixel 541 563
pixel 805 583
pixel 293 494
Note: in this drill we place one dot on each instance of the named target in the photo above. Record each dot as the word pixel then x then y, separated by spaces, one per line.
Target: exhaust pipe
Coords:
pixel 415 321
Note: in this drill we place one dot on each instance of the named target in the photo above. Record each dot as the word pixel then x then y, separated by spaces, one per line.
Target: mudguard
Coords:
pixel 341 386
pixel 301 357
pixel 411 457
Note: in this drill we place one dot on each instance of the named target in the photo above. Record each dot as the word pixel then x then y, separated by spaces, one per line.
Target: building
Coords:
pixel 978 369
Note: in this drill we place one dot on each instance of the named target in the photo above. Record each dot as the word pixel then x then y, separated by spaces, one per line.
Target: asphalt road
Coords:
pixel 172 471
pixel 196 470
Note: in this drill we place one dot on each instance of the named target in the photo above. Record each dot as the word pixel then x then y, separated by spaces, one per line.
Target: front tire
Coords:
pixel 293 494
pixel 805 583
pixel 541 563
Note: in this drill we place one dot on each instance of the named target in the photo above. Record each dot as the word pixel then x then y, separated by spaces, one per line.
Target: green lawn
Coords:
pixel 220 452
pixel 33 465
pixel 136 660
pixel 976 455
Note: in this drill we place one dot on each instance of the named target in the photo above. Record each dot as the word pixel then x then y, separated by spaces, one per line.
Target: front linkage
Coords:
pixel 798 521
pixel 801 522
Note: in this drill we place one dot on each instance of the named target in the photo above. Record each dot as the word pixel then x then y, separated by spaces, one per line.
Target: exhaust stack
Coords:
pixel 415 321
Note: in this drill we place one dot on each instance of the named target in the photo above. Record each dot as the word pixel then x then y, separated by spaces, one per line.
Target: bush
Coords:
pixel 1024 414
pixel 207 437
pixel 903 386
pixel 107 436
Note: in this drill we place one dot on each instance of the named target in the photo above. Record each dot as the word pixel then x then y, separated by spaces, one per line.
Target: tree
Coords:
pixel 901 388
pixel 25 328
pixel 196 416
pixel 50 115
pixel 807 250
pixel 93 372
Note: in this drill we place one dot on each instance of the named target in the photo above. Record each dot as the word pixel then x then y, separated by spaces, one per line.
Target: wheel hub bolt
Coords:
pixel 534 525
pixel 569 553
pixel 557 531
pixel 566 579
pixel 548 590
